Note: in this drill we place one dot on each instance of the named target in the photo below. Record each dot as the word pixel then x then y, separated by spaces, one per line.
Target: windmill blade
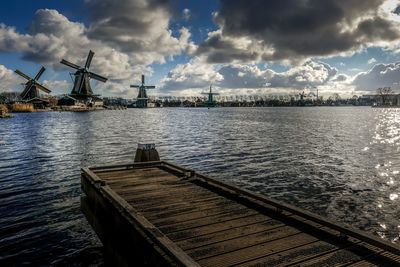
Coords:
pixel 97 77
pixel 149 87
pixel 89 59
pixel 135 86
pixel 27 89
pixel 23 74
pixel 41 87
pixel 69 64
pixel 42 69
pixel 215 93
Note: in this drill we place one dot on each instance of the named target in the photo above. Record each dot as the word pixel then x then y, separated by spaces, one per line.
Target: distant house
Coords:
pixel 67 101
pixel 38 103
pixel 382 100
pixel 80 101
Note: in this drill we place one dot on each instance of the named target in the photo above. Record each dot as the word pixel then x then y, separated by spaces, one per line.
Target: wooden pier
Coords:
pixel 160 214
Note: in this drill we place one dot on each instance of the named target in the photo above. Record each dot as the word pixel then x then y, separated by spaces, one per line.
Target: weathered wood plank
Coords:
pixel 166 192
pixel 160 200
pixel 206 221
pixel 197 214
pixel 140 174
pixel 184 209
pixel 231 233
pixel 149 186
pixel 292 256
pixel 225 247
pixel 259 250
pixel 216 227
pixel 197 219
pixel 380 259
pixel 166 207
pixel 146 181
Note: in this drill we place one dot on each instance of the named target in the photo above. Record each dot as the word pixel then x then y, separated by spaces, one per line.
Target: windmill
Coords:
pixel 302 95
pixel 32 86
pixel 210 102
pixel 142 98
pixel 82 75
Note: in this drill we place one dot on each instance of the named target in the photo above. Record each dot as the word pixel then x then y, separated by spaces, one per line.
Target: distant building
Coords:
pixel 38 103
pixel 381 100
pixel 78 101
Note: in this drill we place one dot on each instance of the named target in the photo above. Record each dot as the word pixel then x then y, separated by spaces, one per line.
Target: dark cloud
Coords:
pixel 135 25
pixel 381 75
pixel 397 10
pixel 225 50
pixel 287 29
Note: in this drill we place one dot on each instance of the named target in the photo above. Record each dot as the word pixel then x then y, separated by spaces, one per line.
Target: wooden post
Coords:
pixel 146 152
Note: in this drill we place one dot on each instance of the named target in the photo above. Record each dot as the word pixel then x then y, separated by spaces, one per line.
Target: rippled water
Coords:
pixel 342 163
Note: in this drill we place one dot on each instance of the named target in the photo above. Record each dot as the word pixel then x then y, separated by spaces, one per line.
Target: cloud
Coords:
pixel 372 61
pixel 52 37
pixel 126 37
pixel 341 78
pixel 296 30
pixel 137 27
pixel 310 74
pixel 8 79
pixel 381 75
pixel 194 74
pixel 186 14
pixel 198 74
pixel 60 86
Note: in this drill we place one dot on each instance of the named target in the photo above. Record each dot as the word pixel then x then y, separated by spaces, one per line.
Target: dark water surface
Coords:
pixel 342 163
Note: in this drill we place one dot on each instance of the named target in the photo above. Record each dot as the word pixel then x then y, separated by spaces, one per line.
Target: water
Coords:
pixel 342 163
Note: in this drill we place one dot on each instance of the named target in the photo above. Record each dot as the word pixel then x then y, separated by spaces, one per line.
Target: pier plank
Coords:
pixel 242 242
pixel 192 220
pixel 259 250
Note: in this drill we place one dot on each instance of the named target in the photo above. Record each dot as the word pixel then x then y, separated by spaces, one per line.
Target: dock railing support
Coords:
pixel 146 152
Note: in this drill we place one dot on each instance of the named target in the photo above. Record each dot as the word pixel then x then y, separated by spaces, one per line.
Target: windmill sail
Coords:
pixel 82 86
pixel 69 64
pixel 142 98
pixel 22 74
pixel 32 86
pixel 210 101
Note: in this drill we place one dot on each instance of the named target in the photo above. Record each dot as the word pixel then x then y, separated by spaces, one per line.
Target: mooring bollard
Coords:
pixel 146 152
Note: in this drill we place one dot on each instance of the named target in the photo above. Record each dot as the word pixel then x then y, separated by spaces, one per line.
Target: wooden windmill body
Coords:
pixel 210 101
pixel 32 86
pixel 142 99
pixel 82 90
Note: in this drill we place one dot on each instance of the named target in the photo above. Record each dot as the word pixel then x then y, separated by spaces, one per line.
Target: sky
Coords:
pixel 183 46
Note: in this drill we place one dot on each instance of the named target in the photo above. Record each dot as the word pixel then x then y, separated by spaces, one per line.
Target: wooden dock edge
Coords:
pixel 165 249
pixel 126 246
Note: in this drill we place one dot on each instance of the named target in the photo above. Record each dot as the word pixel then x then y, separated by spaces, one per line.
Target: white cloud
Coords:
pixel 8 79
pixel 372 61
pixel 194 74
pixel 197 75
pixel 58 86
pixel 186 14
pixel 381 75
